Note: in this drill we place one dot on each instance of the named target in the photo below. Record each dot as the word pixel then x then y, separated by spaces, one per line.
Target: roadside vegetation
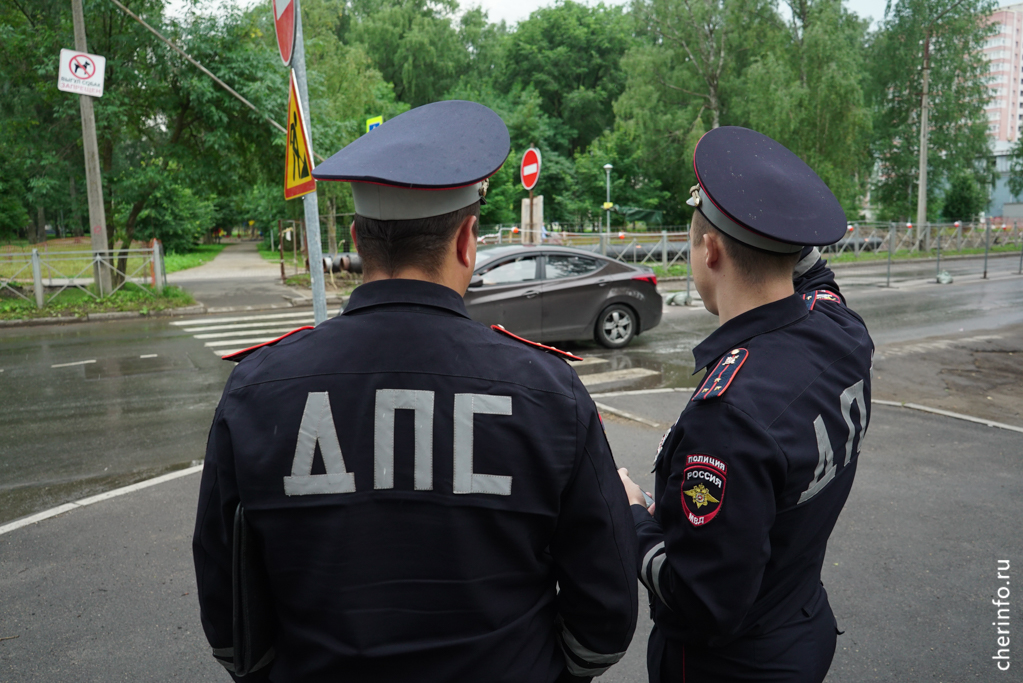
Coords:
pixel 73 302
pixel 195 256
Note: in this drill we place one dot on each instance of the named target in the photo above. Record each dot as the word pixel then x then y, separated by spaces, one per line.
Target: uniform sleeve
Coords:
pixel 594 550
pixel 212 544
pixel 812 273
pixel 705 553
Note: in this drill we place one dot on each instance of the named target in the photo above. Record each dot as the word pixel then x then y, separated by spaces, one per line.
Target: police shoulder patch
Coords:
pixel 720 378
pixel 239 356
pixel 811 298
pixel 536 345
pixel 703 488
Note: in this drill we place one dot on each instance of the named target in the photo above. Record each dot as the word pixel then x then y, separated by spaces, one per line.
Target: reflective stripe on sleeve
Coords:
pixel 579 659
pixel 650 573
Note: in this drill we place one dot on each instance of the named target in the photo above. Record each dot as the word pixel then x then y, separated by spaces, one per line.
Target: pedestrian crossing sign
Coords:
pixel 373 122
pixel 298 167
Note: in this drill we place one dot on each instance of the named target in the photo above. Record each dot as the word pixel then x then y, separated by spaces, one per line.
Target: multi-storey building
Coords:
pixel 1005 111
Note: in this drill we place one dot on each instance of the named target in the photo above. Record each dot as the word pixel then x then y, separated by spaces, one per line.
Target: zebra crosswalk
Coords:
pixel 224 336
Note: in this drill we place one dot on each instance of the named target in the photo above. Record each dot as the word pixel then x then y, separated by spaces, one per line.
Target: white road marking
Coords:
pixel 252 341
pixel 67 507
pixel 149 355
pixel 77 362
pixel 949 413
pixel 228 335
pixel 240 326
pixel 628 416
pixel 265 316
pixel 276 332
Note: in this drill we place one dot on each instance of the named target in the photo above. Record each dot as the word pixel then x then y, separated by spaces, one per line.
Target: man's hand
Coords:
pixel 633 491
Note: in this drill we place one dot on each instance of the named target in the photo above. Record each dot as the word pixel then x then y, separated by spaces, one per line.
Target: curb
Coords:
pixel 108 315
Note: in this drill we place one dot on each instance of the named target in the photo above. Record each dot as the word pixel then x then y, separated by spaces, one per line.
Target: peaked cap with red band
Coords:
pixel 755 190
pixel 429 161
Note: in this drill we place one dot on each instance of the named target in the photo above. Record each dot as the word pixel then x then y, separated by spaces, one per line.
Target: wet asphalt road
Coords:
pixel 76 430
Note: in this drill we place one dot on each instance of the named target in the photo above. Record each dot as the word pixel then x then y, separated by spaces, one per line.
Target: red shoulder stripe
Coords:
pixel 542 347
pixel 244 353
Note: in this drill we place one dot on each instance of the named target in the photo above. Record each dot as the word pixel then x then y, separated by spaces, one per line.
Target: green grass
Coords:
pixel 674 270
pixel 198 255
pixel 906 255
pixel 73 302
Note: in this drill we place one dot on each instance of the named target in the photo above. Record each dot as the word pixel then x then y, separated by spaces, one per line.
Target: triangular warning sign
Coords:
pixel 298 167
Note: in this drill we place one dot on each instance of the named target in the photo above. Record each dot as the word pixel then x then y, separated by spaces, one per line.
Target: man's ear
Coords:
pixel 715 247
pixel 351 231
pixel 464 241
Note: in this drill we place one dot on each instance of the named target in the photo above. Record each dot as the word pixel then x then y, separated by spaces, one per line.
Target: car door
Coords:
pixel 573 294
pixel 509 295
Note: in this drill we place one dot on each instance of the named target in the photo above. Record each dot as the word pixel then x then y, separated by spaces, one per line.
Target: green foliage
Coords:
pixel 808 95
pixel 413 43
pixel 74 302
pixel 570 53
pixel 196 255
pixel 1015 169
pixel 965 197
pixel 958 95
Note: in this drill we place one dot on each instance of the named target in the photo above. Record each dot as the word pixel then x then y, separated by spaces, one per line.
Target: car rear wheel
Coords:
pixel 616 326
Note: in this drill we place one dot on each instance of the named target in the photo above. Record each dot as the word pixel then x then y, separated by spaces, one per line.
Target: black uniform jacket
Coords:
pixel 436 501
pixel 751 478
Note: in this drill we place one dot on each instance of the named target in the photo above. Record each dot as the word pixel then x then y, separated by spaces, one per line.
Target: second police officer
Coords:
pixel 428 499
pixel 752 477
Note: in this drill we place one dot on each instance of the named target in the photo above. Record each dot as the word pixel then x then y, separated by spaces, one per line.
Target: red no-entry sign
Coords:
pixel 530 169
pixel 284 23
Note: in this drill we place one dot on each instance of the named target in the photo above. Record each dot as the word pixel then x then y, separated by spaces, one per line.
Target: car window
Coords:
pixel 561 265
pixel 522 269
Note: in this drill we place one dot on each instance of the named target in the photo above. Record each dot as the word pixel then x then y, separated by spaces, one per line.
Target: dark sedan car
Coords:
pixel 558 294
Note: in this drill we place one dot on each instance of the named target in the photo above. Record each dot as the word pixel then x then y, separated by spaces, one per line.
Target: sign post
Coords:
pixel 312 213
pixel 93 180
pixel 529 172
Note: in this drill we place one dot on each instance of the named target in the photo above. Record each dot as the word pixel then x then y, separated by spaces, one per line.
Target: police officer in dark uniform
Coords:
pixel 431 499
pixel 752 477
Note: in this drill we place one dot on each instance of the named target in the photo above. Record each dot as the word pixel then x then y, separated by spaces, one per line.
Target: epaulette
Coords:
pixel 543 347
pixel 811 298
pixel 719 379
pixel 244 353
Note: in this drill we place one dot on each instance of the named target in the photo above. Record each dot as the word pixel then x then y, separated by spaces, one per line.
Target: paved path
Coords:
pixel 106 592
pixel 237 278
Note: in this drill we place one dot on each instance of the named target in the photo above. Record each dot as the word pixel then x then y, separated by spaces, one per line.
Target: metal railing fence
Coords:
pixel 21 271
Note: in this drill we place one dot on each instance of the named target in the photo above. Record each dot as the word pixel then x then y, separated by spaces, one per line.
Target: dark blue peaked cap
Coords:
pixel 757 191
pixel 426 162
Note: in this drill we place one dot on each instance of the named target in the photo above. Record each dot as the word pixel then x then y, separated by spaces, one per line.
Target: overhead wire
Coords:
pixel 206 71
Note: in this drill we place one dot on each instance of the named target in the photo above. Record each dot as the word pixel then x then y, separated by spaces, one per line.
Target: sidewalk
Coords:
pixel 107 591
pixel 237 279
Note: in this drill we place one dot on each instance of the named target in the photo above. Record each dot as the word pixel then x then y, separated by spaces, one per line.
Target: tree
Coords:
pixel 807 94
pixel 413 43
pixel 964 198
pixel 570 55
pixel 958 95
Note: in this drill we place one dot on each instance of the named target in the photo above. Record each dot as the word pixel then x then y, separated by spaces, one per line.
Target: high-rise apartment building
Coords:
pixel 1005 79
pixel 1005 110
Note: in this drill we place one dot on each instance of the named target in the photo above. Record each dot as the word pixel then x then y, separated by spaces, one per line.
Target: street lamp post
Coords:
pixel 921 196
pixel 607 169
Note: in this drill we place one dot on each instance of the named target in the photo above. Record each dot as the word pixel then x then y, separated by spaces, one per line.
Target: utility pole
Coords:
pixel 93 179
pixel 312 212
pixel 607 169
pixel 921 196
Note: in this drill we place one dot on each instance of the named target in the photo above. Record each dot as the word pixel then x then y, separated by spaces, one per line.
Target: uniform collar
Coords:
pixel 381 292
pixel 744 327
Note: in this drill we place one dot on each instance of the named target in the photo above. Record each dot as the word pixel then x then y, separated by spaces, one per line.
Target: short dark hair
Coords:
pixel 391 246
pixel 755 265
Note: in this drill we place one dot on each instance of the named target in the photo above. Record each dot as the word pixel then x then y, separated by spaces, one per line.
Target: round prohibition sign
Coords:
pixel 82 67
